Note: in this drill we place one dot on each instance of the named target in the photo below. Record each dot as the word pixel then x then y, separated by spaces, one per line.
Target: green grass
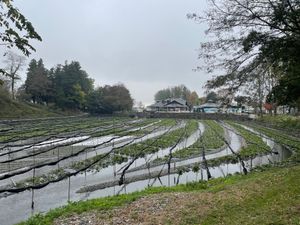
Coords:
pixel 271 197
pixel 267 197
pixel 13 109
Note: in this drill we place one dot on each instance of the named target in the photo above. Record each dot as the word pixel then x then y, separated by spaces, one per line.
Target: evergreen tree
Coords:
pixel 37 84
pixel 71 85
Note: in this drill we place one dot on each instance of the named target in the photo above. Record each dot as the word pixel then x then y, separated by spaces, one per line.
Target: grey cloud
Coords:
pixel 145 44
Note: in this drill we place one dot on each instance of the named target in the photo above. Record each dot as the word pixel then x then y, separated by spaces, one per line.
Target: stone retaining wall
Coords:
pixel 203 116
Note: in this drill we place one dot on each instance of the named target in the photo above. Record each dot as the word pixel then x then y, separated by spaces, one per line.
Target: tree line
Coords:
pixel 69 87
pixel 179 91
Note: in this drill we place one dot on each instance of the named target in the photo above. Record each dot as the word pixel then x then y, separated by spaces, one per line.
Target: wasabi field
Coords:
pixel 50 163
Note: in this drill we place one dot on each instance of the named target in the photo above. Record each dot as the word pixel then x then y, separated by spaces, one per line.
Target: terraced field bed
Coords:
pixel 47 163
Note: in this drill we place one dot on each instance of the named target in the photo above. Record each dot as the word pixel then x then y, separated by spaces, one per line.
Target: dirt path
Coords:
pixel 165 208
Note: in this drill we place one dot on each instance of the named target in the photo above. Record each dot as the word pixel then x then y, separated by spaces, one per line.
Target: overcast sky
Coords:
pixel 145 44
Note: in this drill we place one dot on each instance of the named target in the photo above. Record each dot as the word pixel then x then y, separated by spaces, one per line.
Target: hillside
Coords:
pixel 14 109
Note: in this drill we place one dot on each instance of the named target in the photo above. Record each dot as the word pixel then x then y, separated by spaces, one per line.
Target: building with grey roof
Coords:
pixel 169 105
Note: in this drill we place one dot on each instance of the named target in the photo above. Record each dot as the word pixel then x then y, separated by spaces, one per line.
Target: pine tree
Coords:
pixel 37 84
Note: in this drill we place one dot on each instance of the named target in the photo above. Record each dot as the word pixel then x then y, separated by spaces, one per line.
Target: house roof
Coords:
pixel 179 100
pixel 170 102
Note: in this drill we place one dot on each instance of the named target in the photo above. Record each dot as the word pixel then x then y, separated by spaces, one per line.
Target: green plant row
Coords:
pixel 283 139
pixel 169 139
pixel 103 163
pixel 282 121
pixel 66 126
pixel 280 137
pixel 54 174
pixel 148 146
pixel 209 140
pixel 254 144
pixel 164 123
pixel 120 131
pixel 53 127
pixel 167 122
pixel 213 135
